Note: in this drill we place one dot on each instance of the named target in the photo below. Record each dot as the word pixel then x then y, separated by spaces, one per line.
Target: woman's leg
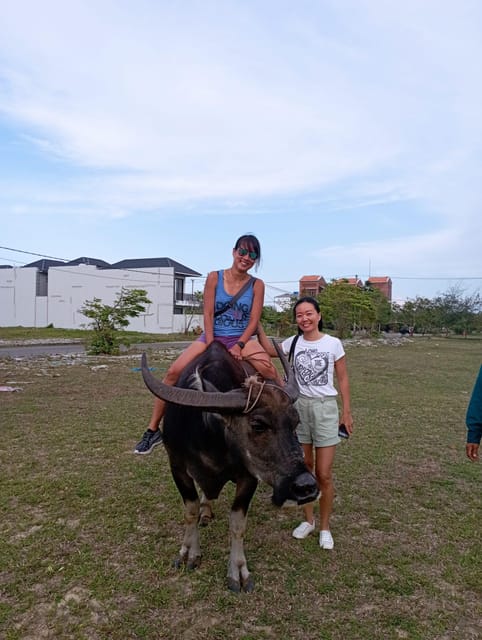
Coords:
pixel 254 353
pixel 308 457
pixel 156 415
pixel 172 376
pixel 151 437
pixel 306 527
pixel 324 457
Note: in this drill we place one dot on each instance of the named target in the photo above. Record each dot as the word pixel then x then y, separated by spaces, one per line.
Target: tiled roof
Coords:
pixel 85 260
pixel 44 264
pixel 311 278
pixel 130 263
pixel 146 263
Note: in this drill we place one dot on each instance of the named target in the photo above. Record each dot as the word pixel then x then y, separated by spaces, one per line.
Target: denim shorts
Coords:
pixel 228 341
pixel 318 421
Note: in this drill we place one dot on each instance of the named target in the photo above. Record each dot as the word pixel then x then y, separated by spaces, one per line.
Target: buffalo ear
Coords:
pixel 209 386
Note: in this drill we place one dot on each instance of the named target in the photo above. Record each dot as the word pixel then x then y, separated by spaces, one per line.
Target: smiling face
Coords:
pixel 242 258
pixel 246 253
pixel 307 318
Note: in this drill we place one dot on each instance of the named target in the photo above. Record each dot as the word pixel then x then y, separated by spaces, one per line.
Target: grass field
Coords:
pixel 88 530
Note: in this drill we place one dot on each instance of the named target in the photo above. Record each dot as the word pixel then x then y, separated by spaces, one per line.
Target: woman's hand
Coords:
pixel 235 351
pixel 472 451
pixel 347 420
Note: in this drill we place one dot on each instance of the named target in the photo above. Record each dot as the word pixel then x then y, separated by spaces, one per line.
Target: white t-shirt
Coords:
pixel 314 364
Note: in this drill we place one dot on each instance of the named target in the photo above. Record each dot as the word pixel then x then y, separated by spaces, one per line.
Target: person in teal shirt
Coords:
pixel 473 420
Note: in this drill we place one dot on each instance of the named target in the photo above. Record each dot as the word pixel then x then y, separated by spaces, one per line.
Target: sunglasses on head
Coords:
pixel 244 252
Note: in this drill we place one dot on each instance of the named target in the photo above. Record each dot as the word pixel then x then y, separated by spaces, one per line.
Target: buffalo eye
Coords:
pixel 259 427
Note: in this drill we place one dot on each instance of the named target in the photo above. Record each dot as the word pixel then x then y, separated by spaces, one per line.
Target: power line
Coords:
pixel 11 260
pixel 31 253
pixel 270 284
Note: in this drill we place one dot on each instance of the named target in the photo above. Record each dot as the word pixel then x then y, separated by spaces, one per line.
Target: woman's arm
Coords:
pixel 473 420
pixel 254 318
pixel 256 310
pixel 344 387
pixel 209 299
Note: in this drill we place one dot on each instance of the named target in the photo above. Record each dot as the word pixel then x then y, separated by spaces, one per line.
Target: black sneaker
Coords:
pixel 150 439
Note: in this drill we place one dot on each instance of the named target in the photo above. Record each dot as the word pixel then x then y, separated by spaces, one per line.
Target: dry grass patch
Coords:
pixel 88 530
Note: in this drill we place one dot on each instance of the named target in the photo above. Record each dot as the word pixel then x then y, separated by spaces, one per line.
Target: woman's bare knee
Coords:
pixel 172 375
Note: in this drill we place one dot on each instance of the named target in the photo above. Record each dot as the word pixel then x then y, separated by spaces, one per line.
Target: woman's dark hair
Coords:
pixel 250 242
pixel 312 301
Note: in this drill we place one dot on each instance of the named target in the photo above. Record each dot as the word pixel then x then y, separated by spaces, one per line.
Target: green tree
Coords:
pixel 457 312
pixel 108 320
pixel 278 323
pixel 346 308
pixel 448 312
pixel 196 309
pixel 380 307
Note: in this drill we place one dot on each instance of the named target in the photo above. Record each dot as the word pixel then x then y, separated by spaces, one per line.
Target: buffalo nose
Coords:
pixel 305 488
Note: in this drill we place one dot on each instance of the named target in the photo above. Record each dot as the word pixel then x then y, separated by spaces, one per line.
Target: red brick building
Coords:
pixel 312 285
pixel 383 284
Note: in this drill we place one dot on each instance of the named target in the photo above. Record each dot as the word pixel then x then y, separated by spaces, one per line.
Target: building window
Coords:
pixel 178 288
pixel 41 284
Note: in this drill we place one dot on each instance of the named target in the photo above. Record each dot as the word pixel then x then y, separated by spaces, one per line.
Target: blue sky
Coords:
pixel 346 134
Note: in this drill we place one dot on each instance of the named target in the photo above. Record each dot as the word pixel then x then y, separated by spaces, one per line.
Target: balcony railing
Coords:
pixel 188 300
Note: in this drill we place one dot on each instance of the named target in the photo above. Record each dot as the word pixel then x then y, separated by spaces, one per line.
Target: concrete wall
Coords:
pixel 70 287
pixel 17 297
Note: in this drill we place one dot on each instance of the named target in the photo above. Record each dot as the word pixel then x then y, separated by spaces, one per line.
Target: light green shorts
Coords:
pixel 318 421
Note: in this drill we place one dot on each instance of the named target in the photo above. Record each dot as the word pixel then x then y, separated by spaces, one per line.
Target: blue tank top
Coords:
pixel 234 321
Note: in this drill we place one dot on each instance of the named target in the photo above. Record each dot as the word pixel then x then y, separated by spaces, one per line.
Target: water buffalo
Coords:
pixel 223 423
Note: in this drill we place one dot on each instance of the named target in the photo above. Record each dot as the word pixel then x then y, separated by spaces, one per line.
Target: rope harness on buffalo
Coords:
pixel 249 407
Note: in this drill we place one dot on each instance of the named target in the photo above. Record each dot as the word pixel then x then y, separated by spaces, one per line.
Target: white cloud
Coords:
pixel 432 254
pixel 341 107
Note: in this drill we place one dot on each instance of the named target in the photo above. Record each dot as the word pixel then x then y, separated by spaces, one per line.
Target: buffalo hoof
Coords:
pixel 193 563
pixel 233 585
pixel 189 563
pixel 205 519
pixel 247 586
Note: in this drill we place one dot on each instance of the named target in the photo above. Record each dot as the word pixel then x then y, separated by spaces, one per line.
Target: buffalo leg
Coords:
pixel 239 578
pixel 190 553
pixel 206 514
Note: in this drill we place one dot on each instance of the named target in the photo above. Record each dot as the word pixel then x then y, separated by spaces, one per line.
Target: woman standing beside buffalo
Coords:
pixel 316 358
pixel 233 325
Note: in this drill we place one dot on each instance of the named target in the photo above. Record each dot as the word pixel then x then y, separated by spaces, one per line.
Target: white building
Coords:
pixel 49 292
pixel 284 301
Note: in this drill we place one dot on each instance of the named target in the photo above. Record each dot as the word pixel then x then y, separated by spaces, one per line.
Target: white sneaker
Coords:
pixel 326 540
pixel 303 530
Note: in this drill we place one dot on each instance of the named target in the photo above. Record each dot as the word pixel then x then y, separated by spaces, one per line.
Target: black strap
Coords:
pixel 292 348
pixel 234 299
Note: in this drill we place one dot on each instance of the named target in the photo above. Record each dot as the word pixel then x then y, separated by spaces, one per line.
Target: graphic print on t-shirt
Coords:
pixel 236 317
pixel 312 367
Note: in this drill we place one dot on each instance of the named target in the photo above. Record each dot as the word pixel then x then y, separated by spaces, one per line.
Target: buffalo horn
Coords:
pixel 291 386
pixel 210 401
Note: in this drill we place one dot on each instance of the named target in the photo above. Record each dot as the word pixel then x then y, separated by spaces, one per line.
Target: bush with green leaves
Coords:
pixel 107 321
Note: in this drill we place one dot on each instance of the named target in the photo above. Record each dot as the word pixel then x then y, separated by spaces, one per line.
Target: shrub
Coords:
pixel 108 320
